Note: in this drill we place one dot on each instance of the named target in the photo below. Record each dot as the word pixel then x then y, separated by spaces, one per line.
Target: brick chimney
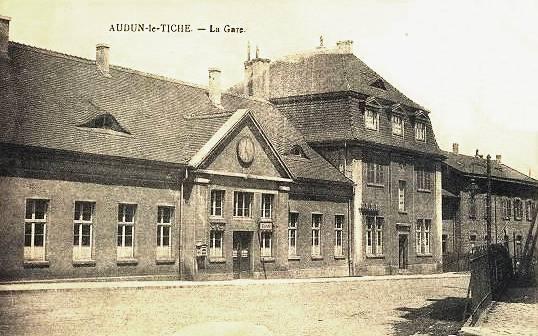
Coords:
pixel 102 58
pixel 256 82
pixel 498 158
pixel 4 36
pixel 455 148
pixel 214 86
pixel 344 47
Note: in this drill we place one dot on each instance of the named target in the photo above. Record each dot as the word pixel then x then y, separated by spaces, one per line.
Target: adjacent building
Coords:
pixel 514 199
pixel 380 139
pixel 111 172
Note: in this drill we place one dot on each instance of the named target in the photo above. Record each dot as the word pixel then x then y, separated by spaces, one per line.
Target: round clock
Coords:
pixel 245 150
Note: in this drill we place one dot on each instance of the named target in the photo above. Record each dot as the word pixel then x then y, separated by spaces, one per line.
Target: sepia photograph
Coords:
pixel 267 168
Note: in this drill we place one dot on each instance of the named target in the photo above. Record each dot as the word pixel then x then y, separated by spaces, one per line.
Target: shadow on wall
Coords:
pixel 440 317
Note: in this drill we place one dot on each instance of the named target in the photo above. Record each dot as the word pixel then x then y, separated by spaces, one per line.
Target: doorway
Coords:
pixel 403 251
pixel 242 241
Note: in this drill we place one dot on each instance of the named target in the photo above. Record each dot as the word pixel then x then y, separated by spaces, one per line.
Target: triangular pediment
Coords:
pixel 241 148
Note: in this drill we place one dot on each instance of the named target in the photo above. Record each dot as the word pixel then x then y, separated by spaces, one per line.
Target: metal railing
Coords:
pixel 491 270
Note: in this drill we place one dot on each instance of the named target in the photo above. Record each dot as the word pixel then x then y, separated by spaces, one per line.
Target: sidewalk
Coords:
pixel 515 314
pixel 77 284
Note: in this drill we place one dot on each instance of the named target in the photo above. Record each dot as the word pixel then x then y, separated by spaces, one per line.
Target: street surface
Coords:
pixel 396 306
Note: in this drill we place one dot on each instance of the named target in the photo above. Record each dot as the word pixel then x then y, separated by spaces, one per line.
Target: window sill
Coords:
pixel 169 261
pixel 316 257
pixel 339 257
pixel 217 260
pixel 266 219
pixel 375 256
pixel 375 185
pixel 294 258
pixel 428 191
pixel 84 263
pixel 402 212
pixel 268 259
pixel 424 255
pixel 217 219
pixel 243 218
pixel 126 262
pixel 36 263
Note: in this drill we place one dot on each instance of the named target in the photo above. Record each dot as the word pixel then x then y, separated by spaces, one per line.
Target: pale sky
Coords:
pixel 472 64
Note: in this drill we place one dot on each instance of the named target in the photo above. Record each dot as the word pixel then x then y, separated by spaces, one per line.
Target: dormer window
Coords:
pixel 298 151
pixel 397 124
pixel 420 131
pixel 105 121
pixel 380 84
pixel 371 119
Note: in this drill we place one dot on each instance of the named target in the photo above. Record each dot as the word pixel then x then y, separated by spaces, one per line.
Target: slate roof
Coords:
pixel 327 73
pixel 322 72
pixel 45 97
pixel 471 165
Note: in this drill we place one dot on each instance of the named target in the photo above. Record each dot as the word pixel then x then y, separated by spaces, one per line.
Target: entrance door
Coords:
pixel 403 251
pixel 241 254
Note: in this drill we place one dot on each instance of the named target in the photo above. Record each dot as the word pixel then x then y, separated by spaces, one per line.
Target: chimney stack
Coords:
pixel 4 36
pixel 344 47
pixel 455 148
pixel 214 86
pixel 256 82
pixel 498 158
pixel 102 58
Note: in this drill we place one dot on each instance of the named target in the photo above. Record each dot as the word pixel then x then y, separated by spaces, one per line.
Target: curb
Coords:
pixel 88 284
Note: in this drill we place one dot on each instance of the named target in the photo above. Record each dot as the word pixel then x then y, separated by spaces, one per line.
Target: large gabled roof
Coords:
pixel 476 166
pixel 47 98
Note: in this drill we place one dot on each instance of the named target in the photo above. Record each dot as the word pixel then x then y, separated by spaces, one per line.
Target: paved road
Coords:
pixel 383 307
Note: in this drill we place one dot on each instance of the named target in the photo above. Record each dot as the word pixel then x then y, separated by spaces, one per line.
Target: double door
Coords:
pixel 242 243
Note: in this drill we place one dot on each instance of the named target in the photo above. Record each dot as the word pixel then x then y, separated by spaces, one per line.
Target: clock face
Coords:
pixel 245 150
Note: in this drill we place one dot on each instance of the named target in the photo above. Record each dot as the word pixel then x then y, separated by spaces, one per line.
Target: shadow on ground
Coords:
pixel 440 317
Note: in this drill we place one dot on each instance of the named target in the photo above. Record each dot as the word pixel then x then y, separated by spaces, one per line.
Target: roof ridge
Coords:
pixel 112 66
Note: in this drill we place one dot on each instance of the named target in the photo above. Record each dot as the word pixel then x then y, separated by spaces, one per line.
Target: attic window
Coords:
pixel 380 84
pixel 105 121
pixel 298 151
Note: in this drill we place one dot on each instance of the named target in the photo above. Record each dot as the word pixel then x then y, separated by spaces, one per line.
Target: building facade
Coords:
pixel 513 202
pixel 112 172
pixel 377 137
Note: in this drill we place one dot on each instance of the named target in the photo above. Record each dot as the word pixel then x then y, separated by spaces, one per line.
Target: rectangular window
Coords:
pixel 374 235
pixel 420 131
pixel 401 196
pixel 217 203
pixel 424 179
pixel 35 229
pixel 397 125
pixel 518 209
pixel 427 236
pixel 267 206
pixel 83 230
pixel 316 236
pixel 371 119
pixel 418 236
pixel 215 243
pixel 472 207
pixel 338 235
pixel 292 233
pixel 444 241
pixel 507 208
pixel 164 224
pixel 375 173
pixel 266 243
pixel 530 210
pixel 423 236
pixel 242 204
pixel 126 222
